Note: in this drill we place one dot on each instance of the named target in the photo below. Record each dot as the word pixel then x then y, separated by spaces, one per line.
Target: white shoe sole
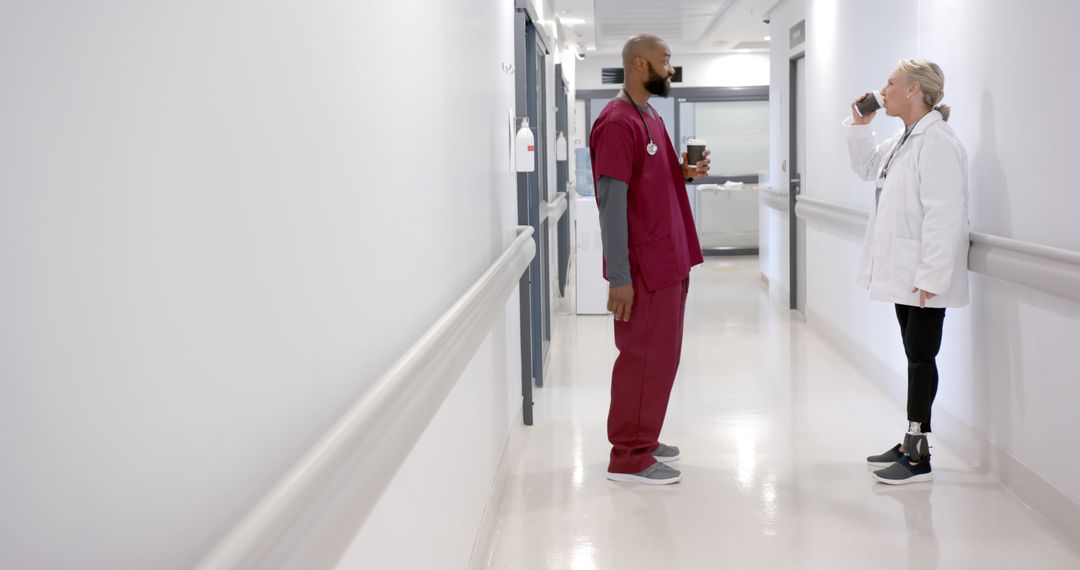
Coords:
pixel 666 459
pixel 912 479
pixel 632 478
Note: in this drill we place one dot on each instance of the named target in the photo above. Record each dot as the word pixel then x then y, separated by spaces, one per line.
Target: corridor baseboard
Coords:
pixel 1060 510
pixel 485 534
pixel 779 295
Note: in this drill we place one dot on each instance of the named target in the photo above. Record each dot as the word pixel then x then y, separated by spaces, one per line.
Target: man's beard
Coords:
pixel 656 84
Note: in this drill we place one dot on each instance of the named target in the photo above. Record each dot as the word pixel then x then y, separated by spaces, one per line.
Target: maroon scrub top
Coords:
pixel 662 239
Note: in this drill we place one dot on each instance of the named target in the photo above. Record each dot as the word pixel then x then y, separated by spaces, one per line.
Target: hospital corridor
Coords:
pixel 759 412
pixel 539 285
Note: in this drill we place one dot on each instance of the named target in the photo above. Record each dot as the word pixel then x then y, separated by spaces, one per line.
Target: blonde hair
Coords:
pixel 932 81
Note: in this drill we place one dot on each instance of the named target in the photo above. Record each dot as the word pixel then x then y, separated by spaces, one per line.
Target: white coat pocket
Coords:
pixel 908 224
pixel 907 254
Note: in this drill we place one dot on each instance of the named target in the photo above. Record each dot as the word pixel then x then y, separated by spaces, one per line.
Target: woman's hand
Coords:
pixel 924 296
pixel 861 119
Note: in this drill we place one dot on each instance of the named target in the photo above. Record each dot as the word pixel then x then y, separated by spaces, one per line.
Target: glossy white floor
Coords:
pixel 774 425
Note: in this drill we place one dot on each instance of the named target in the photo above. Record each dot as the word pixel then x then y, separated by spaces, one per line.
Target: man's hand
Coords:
pixel 620 301
pixel 861 119
pixel 699 170
pixel 924 296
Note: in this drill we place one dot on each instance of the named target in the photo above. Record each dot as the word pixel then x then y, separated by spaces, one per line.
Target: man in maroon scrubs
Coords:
pixel 650 244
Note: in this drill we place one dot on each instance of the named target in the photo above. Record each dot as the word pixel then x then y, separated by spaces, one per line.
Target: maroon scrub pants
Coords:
pixel 650 345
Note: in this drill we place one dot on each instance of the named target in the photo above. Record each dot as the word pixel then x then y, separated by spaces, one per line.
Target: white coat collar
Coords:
pixel 925 122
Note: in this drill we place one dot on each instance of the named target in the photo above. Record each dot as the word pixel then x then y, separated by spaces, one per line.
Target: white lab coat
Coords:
pixel 917 236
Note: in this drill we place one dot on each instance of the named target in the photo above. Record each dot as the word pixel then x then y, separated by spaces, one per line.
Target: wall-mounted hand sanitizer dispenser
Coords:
pixel 560 148
pixel 524 148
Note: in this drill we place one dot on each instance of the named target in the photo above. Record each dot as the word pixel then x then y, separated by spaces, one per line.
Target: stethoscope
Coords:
pixel 650 148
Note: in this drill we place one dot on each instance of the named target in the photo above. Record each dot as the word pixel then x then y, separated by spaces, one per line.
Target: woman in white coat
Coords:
pixel 916 246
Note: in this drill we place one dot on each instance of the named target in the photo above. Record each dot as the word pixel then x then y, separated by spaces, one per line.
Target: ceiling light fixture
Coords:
pixel 571 21
pixel 768 38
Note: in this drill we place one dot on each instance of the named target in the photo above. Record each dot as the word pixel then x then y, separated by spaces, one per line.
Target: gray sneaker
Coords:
pixel 886 459
pixel 666 453
pixel 903 472
pixel 655 474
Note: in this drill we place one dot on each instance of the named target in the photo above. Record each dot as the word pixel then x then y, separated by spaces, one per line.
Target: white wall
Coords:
pixel 1020 379
pixel 440 495
pixel 699 70
pixel 1006 364
pixel 219 224
pixel 851 47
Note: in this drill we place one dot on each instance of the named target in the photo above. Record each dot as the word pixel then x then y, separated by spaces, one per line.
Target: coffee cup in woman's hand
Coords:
pixel 864 108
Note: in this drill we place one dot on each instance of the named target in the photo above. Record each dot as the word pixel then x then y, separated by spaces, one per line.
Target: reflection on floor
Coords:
pixel 774 426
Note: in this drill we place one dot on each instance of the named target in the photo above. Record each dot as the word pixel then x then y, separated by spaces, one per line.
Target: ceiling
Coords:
pixel 689 26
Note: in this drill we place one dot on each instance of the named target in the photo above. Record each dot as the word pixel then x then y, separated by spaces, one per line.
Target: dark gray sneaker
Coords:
pixel 655 474
pixel 886 459
pixel 904 471
pixel 666 453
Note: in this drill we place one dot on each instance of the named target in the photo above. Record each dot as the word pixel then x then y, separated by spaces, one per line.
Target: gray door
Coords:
pixel 528 215
pixel 533 195
pixel 562 125
pixel 539 194
pixel 797 161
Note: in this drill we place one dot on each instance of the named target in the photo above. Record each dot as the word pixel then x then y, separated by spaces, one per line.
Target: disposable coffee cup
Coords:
pixel 871 102
pixel 695 149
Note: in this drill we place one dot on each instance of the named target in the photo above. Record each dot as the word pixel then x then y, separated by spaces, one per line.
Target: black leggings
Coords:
pixel 921 331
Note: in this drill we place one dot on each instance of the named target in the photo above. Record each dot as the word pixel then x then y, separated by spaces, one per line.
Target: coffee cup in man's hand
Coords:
pixel 869 103
pixel 695 151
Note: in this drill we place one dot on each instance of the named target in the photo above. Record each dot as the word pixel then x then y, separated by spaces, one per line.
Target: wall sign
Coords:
pixel 798 34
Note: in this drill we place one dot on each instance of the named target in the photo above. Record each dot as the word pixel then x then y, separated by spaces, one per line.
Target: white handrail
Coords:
pixel 1048 269
pixel 853 218
pixel 557 208
pixel 311 515
pixel 775 200
pixel 1027 248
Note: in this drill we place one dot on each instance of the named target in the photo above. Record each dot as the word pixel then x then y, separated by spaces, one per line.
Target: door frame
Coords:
pixel 562 174
pixel 794 183
pixel 529 41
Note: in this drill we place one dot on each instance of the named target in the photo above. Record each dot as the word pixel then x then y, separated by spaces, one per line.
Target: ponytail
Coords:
pixel 932 81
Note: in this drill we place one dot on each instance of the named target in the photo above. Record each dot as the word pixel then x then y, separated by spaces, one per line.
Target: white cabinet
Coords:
pixel 592 288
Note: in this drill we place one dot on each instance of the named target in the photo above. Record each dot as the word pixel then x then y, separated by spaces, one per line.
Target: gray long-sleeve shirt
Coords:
pixel 613 229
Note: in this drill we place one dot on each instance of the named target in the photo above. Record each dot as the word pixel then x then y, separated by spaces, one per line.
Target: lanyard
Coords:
pixel 888 161
pixel 650 148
